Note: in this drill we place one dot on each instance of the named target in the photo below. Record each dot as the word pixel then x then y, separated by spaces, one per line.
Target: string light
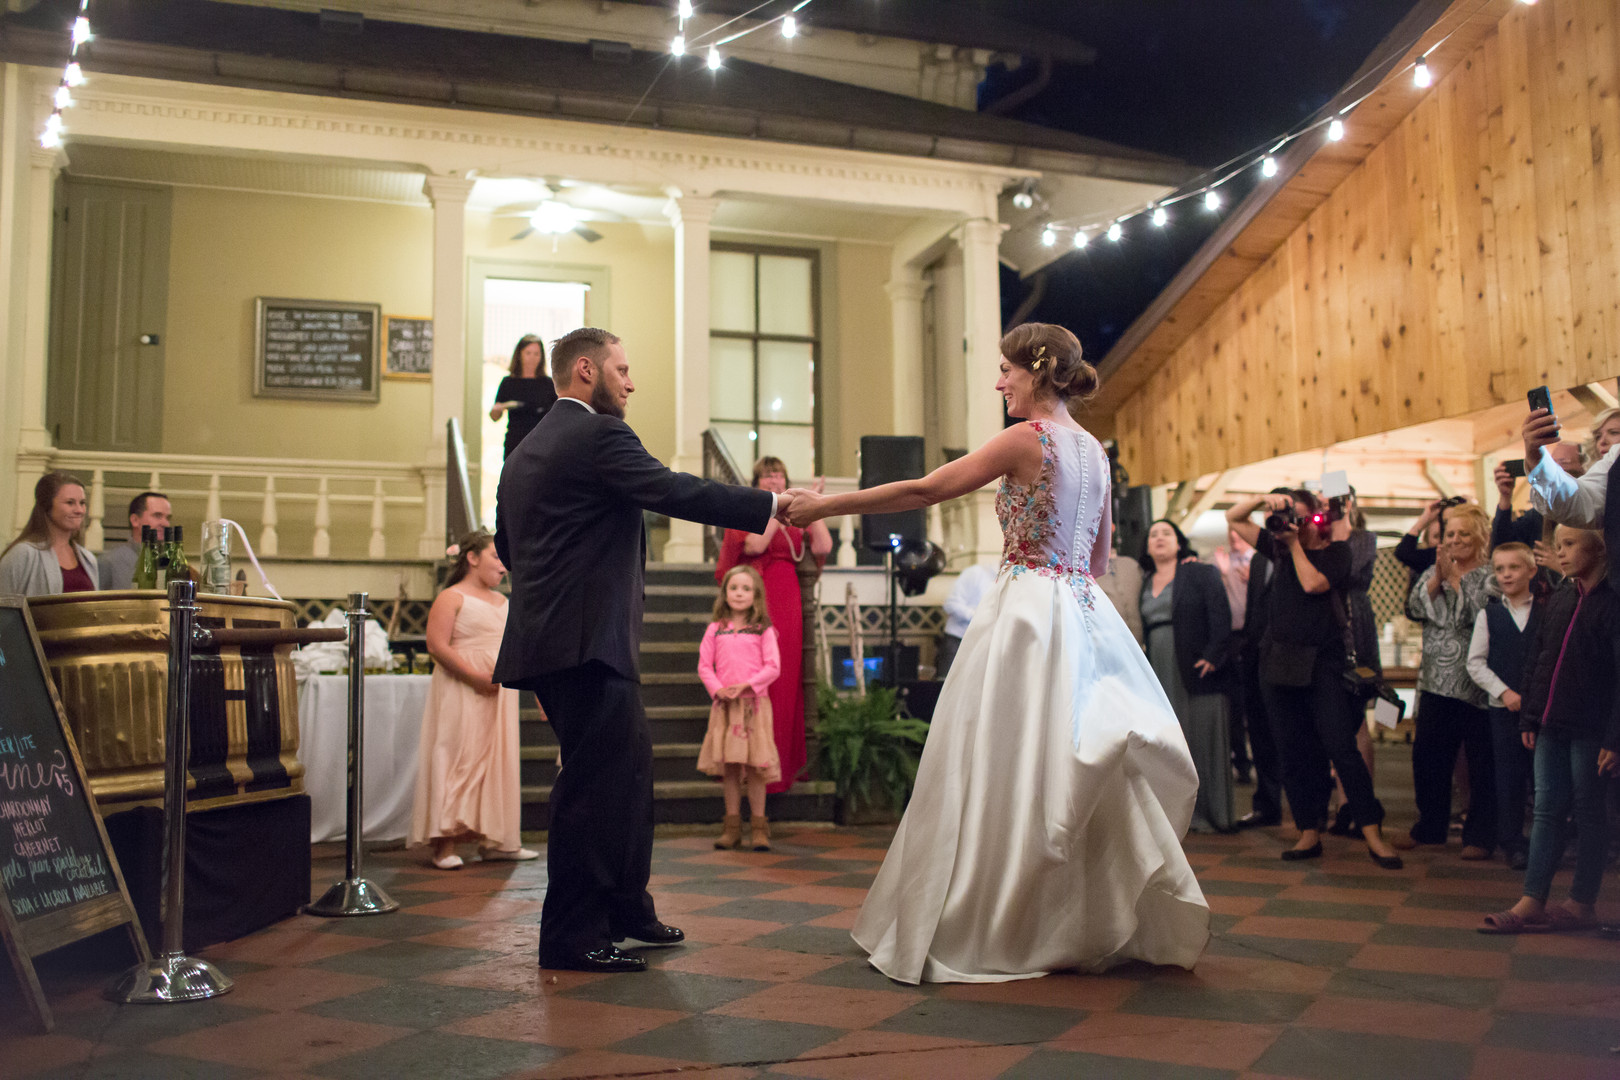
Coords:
pixel 714 58
pixel 1212 200
pixel 790 26
pixel 64 99
pixel 81 31
pixel 1335 130
pixel 1160 216
pixel 1268 166
pixel 678 46
pixel 1422 78
pixel 73 74
pixel 684 10
pixel 1081 239
pixel 1048 236
pixel 50 137
pixel 1115 231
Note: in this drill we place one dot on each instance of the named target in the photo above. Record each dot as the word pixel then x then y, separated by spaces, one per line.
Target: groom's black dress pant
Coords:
pixel 599 849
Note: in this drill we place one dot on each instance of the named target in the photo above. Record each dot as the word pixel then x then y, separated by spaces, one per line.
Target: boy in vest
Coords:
pixel 1496 661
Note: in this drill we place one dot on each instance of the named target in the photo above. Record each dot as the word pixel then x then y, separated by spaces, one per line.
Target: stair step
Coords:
pixel 670 678
pixel 693 789
pixel 678 712
pixel 672 646
pixel 660 750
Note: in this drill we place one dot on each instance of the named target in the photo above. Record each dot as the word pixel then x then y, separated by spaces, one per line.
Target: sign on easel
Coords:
pixel 59 881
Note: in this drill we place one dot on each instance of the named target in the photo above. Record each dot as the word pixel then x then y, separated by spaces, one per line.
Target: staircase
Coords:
pixel 680 598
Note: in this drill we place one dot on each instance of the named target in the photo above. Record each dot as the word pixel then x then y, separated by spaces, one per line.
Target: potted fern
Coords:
pixel 870 751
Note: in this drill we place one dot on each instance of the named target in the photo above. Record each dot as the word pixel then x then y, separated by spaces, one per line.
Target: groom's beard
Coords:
pixel 603 401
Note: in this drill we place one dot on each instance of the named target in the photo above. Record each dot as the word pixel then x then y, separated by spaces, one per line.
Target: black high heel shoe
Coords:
pixel 1388 862
pixel 1344 824
pixel 1296 854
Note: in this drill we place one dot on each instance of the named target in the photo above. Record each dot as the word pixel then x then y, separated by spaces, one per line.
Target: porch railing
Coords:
pixel 718 464
pixel 270 494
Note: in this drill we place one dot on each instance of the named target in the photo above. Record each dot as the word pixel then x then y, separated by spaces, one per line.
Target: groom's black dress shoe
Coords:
pixel 653 935
pixel 604 961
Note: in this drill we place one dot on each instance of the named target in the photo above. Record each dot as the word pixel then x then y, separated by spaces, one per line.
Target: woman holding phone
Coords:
pixel 527 393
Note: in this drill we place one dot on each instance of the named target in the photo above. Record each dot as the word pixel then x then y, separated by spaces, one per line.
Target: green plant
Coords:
pixel 865 745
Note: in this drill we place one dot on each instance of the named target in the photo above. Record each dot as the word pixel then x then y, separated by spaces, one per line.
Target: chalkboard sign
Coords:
pixel 410 348
pixel 59 881
pixel 321 349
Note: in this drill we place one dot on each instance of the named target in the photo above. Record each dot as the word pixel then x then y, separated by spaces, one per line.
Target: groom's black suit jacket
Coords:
pixel 568 525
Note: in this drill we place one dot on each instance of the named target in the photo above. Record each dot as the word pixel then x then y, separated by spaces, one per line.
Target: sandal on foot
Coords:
pixel 1511 922
pixel 449 862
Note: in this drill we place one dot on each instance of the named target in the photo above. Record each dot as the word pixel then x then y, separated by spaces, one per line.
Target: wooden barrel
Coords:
pixel 108 654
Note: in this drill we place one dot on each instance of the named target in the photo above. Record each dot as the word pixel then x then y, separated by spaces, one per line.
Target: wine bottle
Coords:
pixel 146 561
pixel 160 576
pixel 179 568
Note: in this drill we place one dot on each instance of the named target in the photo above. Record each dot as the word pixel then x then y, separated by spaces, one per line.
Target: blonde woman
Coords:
pixel 1451 707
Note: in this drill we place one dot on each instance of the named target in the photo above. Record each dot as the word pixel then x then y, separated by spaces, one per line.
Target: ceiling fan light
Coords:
pixel 554 218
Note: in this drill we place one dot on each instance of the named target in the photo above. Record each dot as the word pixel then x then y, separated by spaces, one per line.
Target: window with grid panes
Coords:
pixel 764 327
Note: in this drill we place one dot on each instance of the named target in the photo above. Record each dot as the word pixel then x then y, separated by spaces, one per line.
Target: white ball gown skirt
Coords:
pixel 1045 830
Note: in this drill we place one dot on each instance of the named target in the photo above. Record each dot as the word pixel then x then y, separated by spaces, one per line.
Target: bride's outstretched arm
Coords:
pixel 1015 451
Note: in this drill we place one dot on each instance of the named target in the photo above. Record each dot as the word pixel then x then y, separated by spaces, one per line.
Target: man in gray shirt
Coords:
pixel 149 509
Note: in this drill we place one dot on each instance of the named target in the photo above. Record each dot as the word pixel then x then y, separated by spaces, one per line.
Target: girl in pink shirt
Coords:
pixel 738 662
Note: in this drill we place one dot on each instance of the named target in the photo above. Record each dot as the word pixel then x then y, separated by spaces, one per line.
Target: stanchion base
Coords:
pixel 168 978
pixel 353 896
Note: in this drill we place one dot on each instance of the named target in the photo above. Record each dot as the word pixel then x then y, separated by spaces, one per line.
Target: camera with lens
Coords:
pixel 1280 521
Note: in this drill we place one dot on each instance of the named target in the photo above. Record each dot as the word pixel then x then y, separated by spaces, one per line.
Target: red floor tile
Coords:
pixel 678 903
pixel 290 947
pixel 1437 917
pixel 1412 1019
pixel 1245 973
pixel 1212 1043
pixel 284 989
pixel 480 907
pixel 1501 1063
pixel 1089 992
pixel 1253 876
pixel 834 895
pixel 1572 999
pixel 744 962
pixel 570 1022
pixel 772 876
pixel 743 860
pixel 831 1006
pixel 517 972
pixel 957 1063
pixel 1327 894
pixel 714 930
pixel 827 838
pixel 1570 946
pixel 502 937
pixel 1419 960
pixel 25 1055
pixel 1307 929
pixel 1235 905
pixel 279 1041
pixel 838 920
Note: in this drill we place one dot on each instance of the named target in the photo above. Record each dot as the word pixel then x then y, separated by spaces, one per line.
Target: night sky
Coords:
pixel 1201 80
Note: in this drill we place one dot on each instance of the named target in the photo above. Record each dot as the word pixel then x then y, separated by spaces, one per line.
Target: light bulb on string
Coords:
pixel 684 10
pixel 1335 130
pixel 790 26
pixel 1081 239
pixel 1422 77
pixel 1160 216
pixel 73 74
pixel 714 58
pixel 1048 236
pixel 1268 166
pixel 678 46
pixel 63 98
pixel 1115 231
pixel 81 31
pixel 1023 200
pixel 1212 200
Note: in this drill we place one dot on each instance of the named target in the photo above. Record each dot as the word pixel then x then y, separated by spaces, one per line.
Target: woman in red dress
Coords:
pixel 775 554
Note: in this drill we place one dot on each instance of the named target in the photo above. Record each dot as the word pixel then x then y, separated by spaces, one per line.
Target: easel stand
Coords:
pixel 354 895
pixel 172 975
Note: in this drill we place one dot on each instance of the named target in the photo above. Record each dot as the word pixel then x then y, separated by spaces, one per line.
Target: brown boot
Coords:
pixel 761 830
pixel 731 835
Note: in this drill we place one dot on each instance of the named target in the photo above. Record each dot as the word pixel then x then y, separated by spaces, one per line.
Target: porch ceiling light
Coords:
pixel 1335 130
pixel 554 218
pixel 790 26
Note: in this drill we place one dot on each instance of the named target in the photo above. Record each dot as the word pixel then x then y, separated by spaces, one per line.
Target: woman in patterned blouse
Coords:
pixel 1451 706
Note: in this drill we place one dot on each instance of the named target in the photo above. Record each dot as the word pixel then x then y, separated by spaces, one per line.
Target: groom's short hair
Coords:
pixel 587 341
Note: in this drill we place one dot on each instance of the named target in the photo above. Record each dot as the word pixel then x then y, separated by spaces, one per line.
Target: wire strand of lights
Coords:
pixel 50 137
pixel 787 22
pixel 1329 124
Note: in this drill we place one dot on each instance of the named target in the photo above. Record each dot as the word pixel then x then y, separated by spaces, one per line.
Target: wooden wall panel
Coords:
pixel 1473 254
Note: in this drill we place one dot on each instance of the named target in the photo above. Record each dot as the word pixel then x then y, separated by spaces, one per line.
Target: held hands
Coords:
pixel 805 506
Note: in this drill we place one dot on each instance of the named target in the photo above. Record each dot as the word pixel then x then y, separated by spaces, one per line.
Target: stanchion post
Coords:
pixel 354 895
pixel 172 975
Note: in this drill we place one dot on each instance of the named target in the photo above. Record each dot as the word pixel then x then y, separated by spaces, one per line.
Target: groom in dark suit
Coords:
pixel 569 525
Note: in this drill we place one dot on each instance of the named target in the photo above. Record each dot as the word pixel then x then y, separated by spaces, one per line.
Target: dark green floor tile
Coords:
pixel 983 1021
pixel 140 1065
pixel 1319 1054
pixel 1493 870
pixel 416 1004
pixel 396 926
pixel 848 881
pixel 860 975
pixel 1454 990
pixel 1067 1065
pixel 717 886
pixel 1332 954
pixel 404 960
pixel 1207 1003
pixel 780 911
pixel 714 1038
pixel 1240 888
pixel 658 957
pixel 1441 937
pixel 658 989
pixel 1377 882
pixel 436 1055
pixel 409 898
pixel 831 866
pixel 1223 924
pixel 1313 909
pixel 1566 969
pixel 818 940
pixel 137 1024
pixel 1550 1033
pixel 1485 905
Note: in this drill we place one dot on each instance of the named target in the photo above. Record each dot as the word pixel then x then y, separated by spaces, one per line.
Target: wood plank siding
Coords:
pixel 1470 252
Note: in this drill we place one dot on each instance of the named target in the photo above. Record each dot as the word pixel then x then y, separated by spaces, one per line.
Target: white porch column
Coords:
pixel 691 215
pixel 43 168
pixel 448 194
pixel 980 239
pixel 906 289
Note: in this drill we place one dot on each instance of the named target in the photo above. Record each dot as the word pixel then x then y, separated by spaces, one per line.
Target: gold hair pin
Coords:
pixel 1040 360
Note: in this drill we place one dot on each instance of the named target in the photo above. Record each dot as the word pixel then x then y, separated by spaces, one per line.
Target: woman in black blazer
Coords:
pixel 1187 623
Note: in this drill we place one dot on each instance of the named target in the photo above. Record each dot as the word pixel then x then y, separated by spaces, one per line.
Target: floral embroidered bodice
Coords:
pixel 1059 526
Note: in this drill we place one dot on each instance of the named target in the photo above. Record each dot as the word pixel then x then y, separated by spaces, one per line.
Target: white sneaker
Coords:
pixel 522 854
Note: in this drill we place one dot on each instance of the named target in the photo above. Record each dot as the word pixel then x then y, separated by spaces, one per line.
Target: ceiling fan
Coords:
pixel 553 217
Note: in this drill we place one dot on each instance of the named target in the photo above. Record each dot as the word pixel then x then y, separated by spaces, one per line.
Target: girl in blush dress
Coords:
pixel 738 661
pixel 467 785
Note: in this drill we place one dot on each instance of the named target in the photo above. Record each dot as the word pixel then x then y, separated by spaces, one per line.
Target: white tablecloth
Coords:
pixel 393 720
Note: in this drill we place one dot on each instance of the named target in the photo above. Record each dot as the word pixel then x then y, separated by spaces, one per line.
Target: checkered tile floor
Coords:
pixel 1331 970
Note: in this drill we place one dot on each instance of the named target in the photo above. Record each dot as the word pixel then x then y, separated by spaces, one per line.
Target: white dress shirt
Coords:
pixel 966 597
pixel 1479 649
pixel 1566 500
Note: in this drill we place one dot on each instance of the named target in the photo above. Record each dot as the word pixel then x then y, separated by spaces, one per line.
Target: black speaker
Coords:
pixel 1133 513
pixel 885 459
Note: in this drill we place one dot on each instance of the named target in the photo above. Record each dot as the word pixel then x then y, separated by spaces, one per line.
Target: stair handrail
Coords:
pixel 459 518
pixel 719 465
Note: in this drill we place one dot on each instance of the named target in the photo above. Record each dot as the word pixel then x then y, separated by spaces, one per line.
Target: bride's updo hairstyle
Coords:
pixel 1052 353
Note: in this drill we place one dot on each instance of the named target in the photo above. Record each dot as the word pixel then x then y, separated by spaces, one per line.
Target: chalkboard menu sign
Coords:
pixel 410 348
pixel 59 881
pixel 322 349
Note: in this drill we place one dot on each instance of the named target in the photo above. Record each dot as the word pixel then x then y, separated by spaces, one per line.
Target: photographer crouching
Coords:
pixel 1313 713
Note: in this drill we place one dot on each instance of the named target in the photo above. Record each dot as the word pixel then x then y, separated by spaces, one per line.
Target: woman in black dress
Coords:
pixel 527 393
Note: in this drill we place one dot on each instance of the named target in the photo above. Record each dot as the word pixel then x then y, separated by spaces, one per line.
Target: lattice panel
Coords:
pixel 915 621
pixel 412 616
pixel 1389 588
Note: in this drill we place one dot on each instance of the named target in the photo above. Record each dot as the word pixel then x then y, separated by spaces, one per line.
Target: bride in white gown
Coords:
pixel 1045 829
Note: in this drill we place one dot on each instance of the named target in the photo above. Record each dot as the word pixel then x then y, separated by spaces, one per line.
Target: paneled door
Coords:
pixel 109 297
